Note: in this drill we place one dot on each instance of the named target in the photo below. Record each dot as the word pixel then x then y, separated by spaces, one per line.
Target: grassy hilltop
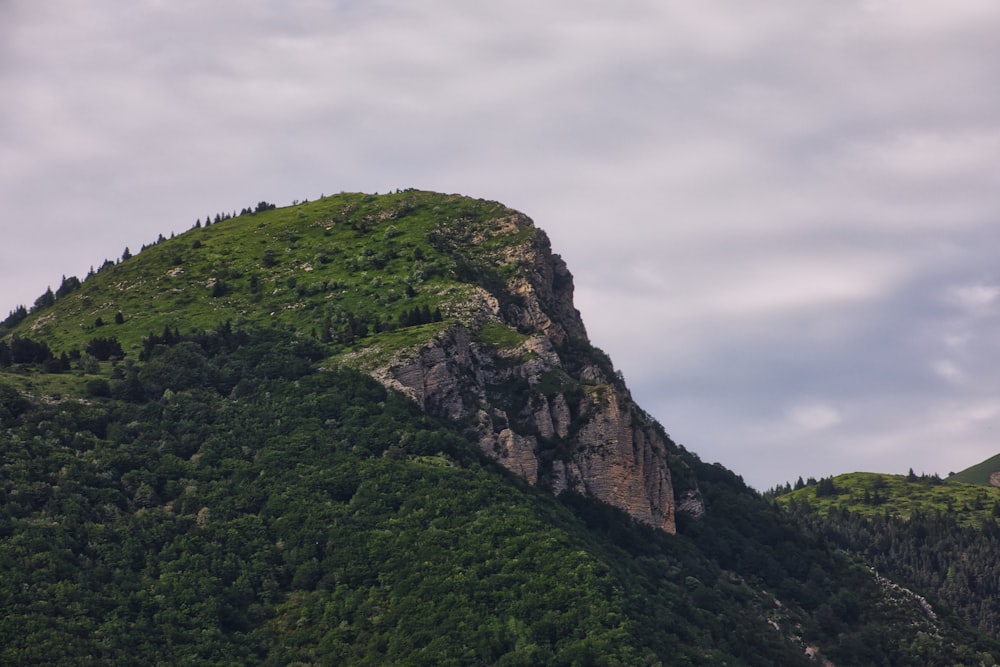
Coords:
pixel 877 494
pixel 341 268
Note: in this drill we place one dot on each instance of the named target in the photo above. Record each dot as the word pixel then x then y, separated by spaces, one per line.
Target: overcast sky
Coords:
pixel 783 216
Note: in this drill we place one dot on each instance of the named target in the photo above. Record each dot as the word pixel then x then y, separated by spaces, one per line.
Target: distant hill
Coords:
pixel 877 494
pixel 938 537
pixel 986 473
pixel 371 430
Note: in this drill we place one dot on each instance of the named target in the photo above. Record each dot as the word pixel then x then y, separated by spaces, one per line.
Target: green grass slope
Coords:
pixel 979 473
pixel 341 268
pixel 939 538
pixel 876 494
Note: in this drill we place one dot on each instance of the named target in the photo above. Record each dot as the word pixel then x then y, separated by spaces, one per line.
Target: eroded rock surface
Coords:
pixel 549 408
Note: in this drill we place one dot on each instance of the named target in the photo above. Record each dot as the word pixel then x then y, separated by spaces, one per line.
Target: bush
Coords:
pixel 104 349
pixel 97 388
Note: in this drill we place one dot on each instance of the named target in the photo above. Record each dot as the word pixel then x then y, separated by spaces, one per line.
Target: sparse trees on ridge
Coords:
pixel 45 300
pixel 67 286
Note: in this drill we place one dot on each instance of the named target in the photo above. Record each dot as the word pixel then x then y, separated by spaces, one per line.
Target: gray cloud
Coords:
pixel 781 217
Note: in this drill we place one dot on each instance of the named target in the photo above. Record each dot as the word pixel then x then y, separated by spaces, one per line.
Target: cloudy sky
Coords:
pixel 783 216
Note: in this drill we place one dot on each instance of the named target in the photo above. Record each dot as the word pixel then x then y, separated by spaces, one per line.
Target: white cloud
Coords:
pixel 948 370
pixel 934 157
pixel 962 419
pixel 973 297
pixel 956 341
pixel 814 416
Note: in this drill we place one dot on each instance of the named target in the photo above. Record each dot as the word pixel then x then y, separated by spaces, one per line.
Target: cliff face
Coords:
pixel 543 401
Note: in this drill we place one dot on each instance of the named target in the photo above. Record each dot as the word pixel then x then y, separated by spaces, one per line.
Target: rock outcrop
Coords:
pixel 542 400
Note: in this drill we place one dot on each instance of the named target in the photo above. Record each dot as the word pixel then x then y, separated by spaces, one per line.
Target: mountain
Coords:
pixel 458 303
pixel 371 430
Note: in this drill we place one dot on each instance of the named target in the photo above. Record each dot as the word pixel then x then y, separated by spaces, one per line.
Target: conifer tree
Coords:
pixel 45 300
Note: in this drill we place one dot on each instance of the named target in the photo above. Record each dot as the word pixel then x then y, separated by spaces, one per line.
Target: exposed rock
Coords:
pixel 517 454
pixel 550 409
pixel 690 502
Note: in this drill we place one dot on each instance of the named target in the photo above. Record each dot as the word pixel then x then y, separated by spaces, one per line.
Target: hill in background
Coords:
pixel 937 536
pixel 986 473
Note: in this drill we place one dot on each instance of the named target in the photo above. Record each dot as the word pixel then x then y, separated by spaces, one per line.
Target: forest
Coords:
pixel 225 501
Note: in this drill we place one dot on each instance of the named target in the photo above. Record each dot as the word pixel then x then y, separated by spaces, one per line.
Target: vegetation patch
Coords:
pixel 499 335
pixel 555 381
pixel 341 268
pixel 980 473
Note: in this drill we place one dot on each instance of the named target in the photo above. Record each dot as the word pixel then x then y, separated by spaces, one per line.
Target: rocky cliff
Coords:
pixel 518 370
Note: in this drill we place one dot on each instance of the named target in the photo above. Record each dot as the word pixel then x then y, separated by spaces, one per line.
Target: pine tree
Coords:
pixel 825 487
pixel 45 300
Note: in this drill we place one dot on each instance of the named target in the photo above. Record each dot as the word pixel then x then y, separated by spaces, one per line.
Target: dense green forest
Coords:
pixel 224 502
pixel 195 471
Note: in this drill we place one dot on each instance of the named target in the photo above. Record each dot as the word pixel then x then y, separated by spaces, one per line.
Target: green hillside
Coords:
pixel 341 268
pixel 314 519
pixel 225 502
pixel 204 477
pixel 979 473
pixel 939 537
pixel 876 494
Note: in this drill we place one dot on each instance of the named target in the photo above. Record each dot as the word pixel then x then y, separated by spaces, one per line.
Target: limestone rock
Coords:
pixel 551 408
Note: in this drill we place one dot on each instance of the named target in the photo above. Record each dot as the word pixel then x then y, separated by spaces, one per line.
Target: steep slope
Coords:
pixel 459 303
pixel 258 511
